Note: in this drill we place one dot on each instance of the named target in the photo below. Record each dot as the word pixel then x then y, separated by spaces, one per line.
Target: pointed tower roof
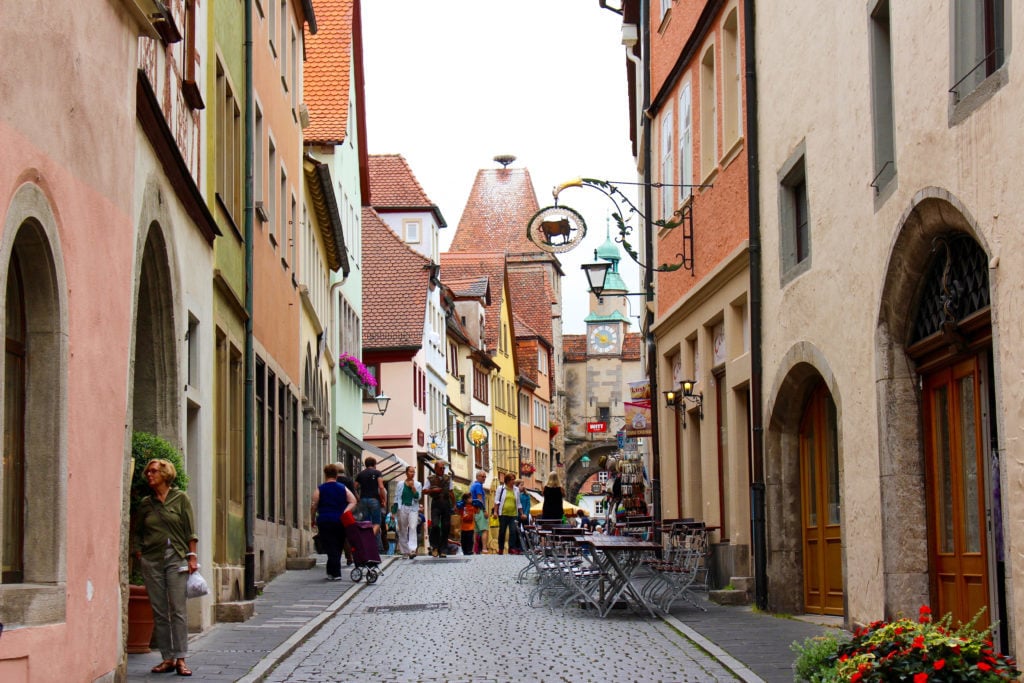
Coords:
pixel 500 206
pixel 609 252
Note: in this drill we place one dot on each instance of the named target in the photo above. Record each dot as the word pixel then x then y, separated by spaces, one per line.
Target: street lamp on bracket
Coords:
pixel 382 400
pixel 559 228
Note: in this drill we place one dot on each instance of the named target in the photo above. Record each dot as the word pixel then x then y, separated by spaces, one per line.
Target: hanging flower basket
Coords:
pixel 355 369
pixel 526 469
pixel 553 428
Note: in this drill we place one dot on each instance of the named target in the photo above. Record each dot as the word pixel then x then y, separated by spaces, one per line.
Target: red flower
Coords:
pixel 843 658
pixel 982 666
pixel 939 663
pixel 918 642
pixel 855 677
pixel 920 678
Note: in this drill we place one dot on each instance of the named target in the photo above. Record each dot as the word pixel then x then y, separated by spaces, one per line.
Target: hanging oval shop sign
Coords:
pixel 556 229
pixel 477 434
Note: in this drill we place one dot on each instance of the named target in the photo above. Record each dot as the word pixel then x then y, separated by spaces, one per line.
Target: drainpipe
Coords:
pixel 250 356
pixel 757 483
pixel 652 350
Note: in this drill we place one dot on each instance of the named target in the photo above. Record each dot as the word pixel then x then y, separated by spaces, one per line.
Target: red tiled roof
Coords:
pixel 574 347
pixel 631 346
pixel 469 265
pixel 395 286
pixel 532 298
pixel 327 72
pixel 499 207
pixel 393 185
pixel 470 287
pixel 526 353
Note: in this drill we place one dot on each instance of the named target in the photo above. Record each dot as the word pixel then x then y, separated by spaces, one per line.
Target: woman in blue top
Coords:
pixel 331 500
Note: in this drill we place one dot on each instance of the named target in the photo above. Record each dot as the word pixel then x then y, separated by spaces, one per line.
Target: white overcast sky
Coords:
pixel 452 83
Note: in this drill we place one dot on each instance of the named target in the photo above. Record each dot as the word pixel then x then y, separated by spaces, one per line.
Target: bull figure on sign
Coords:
pixel 556 228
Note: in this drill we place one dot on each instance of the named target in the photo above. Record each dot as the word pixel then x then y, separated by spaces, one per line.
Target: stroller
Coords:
pixel 365 553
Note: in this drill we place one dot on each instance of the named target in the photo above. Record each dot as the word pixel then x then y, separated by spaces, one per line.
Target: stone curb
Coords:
pixel 728 661
pixel 268 663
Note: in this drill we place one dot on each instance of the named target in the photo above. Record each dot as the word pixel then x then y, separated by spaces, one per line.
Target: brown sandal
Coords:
pixel 182 669
pixel 163 668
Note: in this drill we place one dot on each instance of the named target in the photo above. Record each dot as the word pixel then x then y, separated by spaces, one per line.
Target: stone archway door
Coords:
pixel 820 505
pixel 955 465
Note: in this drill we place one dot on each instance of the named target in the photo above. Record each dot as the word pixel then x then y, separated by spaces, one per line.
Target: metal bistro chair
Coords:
pixel 580 579
pixel 530 541
pixel 674 576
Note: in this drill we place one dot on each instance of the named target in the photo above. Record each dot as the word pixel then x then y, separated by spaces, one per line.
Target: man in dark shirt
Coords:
pixel 372 495
pixel 442 502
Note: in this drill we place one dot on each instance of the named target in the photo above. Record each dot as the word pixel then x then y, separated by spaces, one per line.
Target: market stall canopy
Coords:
pixel 568 509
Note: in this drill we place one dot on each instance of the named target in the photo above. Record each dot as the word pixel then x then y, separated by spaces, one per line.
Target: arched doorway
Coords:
pixel 35 467
pixel 804 478
pixel 820 505
pixel 155 379
pixel 951 347
pixel 940 448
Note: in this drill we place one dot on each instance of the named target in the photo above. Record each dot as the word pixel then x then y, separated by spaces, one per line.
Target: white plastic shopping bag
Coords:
pixel 196 586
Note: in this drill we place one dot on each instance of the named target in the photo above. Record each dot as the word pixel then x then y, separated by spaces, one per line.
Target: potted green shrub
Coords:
pixel 145 447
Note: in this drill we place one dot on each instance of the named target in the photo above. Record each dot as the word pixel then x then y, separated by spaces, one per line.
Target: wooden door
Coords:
pixel 820 506
pixel 955 470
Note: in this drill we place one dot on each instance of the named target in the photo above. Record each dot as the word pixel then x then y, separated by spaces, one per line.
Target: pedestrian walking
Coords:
pixel 525 501
pixel 554 498
pixel 477 490
pixel 508 507
pixel 442 501
pixel 466 515
pixel 164 538
pixel 407 505
pixel 330 501
pixel 350 484
pixel 481 527
pixel 372 495
pixel 613 497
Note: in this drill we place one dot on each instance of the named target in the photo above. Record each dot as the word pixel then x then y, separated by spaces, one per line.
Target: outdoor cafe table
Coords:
pixel 619 557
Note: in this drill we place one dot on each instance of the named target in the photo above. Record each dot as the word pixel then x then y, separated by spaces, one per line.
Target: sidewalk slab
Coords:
pixel 229 651
pixel 761 641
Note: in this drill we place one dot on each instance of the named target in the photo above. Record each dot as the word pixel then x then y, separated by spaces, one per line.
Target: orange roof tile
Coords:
pixel 396 282
pixel 327 72
pixel 526 353
pixel 532 298
pixel 393 185
pixel 490 264
pixel 499 207
pixel 574 347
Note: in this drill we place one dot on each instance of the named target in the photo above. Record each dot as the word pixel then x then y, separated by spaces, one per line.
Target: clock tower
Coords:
pixel 607 321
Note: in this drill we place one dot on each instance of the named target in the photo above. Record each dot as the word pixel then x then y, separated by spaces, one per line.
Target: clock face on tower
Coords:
pixel 604 339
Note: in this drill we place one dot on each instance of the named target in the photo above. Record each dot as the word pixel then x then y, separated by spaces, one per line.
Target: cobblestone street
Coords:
pixel 466 619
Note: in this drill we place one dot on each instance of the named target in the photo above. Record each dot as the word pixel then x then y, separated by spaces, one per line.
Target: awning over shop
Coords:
pixel 390 465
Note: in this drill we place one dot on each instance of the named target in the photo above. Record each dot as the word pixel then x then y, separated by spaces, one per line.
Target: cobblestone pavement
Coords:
pixel 466 619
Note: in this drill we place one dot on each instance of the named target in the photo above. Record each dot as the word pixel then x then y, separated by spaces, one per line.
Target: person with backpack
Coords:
pixel 330 501
pixel 372 496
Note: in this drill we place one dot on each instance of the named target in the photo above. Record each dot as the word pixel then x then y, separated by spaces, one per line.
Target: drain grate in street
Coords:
pixel 448 560
pixel 381 609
